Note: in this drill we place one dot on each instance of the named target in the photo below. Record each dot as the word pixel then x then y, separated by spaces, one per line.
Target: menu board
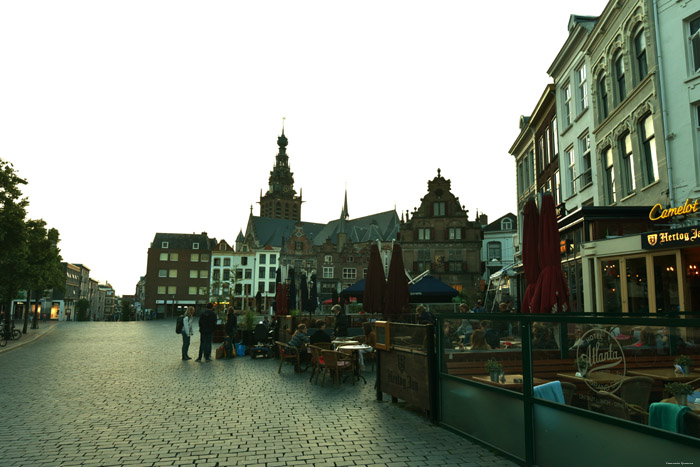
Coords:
pixel 383 338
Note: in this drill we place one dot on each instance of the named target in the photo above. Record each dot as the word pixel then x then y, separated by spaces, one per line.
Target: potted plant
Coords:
pixel 680 391
pixel 248 326
pixel 685 362
pixel 581 365
pixel 494 368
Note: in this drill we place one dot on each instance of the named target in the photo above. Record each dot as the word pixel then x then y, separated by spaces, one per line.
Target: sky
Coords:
pixel 128 118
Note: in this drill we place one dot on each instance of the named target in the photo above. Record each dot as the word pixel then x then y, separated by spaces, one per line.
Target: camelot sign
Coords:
pixel 658 212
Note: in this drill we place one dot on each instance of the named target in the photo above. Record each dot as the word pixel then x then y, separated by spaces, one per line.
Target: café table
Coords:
pixel 510 382
pixel 664 374
pixel 694 407
pixel 355 348
pixel 598 377
pixel 338 342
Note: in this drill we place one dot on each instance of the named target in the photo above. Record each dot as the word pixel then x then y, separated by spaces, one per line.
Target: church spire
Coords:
pixel 345 212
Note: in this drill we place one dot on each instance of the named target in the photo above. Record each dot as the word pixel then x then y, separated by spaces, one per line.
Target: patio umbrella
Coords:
pixel 531 265
pixel 396 295
pixel 304 289
pixel 292 292
pixel 281 300
pixel 375 284
pixel 313 296
pixel 551 294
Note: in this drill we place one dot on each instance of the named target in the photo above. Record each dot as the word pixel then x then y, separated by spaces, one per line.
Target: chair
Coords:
pixel 317 362
pixel 288 353
pixel 616 407
pixel 335 363
pixel 323 345
pixel 692 424
pixel 569 389
pixel 370 356
pixel 635 391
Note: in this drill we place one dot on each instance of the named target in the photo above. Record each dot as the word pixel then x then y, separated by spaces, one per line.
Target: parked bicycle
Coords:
pixel 9 334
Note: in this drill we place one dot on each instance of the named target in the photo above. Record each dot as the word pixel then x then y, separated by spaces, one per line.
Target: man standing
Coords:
pixel 187 332
pixel 207 322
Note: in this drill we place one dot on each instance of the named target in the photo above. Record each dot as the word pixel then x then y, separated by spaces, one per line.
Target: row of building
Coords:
pixel 438 237
pixel 616 138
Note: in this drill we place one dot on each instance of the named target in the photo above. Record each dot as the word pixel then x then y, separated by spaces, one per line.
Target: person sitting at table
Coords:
pixel 299 338
pixel 543 337
pixel 465 328
pixel 320 335
pixel 478 340
pixel 492 337
pixel 370 340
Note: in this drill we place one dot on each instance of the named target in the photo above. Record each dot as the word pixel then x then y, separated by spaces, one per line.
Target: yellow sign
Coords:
pixel 657 212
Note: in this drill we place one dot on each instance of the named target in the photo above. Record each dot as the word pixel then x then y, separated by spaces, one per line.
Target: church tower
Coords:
pixel 281 200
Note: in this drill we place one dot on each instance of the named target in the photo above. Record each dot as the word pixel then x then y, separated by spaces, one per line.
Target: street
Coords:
pixel 116 394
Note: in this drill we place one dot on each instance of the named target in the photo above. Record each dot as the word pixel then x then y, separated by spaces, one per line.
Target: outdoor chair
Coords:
pixel 317 362
pixel 692 424
pixel 616 407
pixel 336 363
pixel 569 389
pixel 635 391
pixel 288 353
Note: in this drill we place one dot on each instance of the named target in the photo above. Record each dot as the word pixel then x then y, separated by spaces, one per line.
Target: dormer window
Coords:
pixel 506 224
pixel 164 245
pixel 195 246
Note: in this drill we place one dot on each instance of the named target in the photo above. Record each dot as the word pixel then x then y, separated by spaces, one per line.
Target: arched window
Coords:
pixel 603 103
pixel 619 68
pixel 650 165
pixel 640 55
pixel 506 224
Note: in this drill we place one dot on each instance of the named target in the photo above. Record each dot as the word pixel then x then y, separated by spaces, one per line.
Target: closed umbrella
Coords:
pixel 375 284
pixel 531 265
pixel 304 290
pixel 551 294
pixel 396 295
pixel 313 295
pixel 292 292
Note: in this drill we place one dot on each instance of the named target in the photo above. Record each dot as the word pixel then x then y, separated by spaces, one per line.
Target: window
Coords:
pixel 261 286
pixel 263 259
pixel 529 169
pixel 506 224
pixel 163 256
pixel 364 273
pixel 603 107
pixel 217 261
pixel 350 259
pixel 195 246
pixel 261 272
pixel 540 153
pixel 571 170
pixel 203 274
pixel 566 110
pixel 327 272
pixel 244 261
pixel 521 181
pixel 172 290
pixel 423 234
pixel 194 273
pixel 227 274
pixel 349 273
pixel 627 159
pixel 204 258
pixel 547 146
pixel 192 290
pixel 298 246
pixel 581 91
pixel 227 262
pixel 610 195
pixel 216 275
pixel 248 273
pixel 273 259
pixel 650 167
pixel 172 273
pixel 194 257
pixel 173 256
pixel 328 259
pixel 557 188
pixel 454 266
pixel 271 286
pixel 620 89
pixel 439 208
pixel 640 55
pixel 584 143
pixel 493 251
pixel 555 139
pixel 203 291
pixel 162 273
pixel 455 233
pixel 164 245
pixel 271 273
pixel 161 290
pixel 695 45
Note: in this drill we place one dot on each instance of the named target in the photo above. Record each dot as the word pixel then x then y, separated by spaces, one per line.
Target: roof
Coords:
pixel 495 226
pixel 183 241
pixel 383 226
pixel 269 231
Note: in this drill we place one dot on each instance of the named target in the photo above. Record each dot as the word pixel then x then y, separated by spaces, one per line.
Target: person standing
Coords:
pixel 341 322
pixel 207 323
pixel 187 332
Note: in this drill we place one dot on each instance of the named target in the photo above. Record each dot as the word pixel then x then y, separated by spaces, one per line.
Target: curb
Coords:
pixel 28 340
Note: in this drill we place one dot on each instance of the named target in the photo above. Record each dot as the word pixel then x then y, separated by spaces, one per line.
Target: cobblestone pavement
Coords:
pixel 118 394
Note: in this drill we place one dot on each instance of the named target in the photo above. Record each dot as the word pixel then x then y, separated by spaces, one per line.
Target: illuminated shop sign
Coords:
pixel 671 238
pixel 658 212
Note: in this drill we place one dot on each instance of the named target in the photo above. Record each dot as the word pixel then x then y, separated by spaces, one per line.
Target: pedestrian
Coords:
pixel 207 323
pixel 341 322
pixel 258 302
pixel 187 332
pixel 231 327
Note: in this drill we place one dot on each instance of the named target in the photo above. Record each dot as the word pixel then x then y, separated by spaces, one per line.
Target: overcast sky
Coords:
pixel 129 118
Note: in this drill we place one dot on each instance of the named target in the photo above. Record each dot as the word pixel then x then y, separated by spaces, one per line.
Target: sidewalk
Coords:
pixel 30 336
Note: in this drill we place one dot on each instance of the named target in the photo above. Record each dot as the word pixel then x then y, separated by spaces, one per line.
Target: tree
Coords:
pixel 126 310
pixel 13 235
pixel 43 264
pixel 82 309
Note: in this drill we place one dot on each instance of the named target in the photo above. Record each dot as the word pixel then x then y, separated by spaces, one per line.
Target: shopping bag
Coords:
pixel 221 352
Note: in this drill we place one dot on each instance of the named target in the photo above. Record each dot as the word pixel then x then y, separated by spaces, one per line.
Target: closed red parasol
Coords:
pixel 551 294
pixel 531 265
pixel 375 284
pixel 396 295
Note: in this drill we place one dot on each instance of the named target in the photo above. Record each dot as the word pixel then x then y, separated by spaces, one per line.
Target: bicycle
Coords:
pixel 14 334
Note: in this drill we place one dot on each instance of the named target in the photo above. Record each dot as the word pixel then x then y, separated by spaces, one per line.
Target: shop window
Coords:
pixel 610 273
pixel 666 283
pixel 637 287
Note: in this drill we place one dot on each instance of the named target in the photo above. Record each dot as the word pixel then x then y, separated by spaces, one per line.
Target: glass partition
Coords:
pixel 610 274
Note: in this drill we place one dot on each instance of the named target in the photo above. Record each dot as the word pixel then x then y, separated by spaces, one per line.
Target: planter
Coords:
pixel 682 400
pixel 494 376
pixel 686 369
